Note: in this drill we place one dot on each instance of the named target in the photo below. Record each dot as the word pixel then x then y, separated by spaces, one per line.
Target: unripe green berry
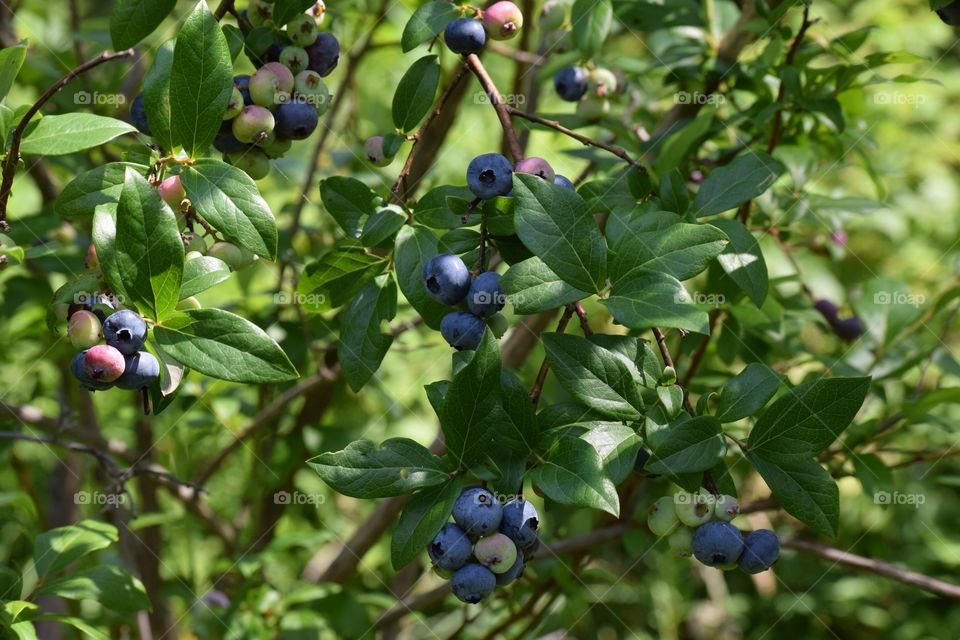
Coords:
pixel 235 106
pixel 302 30
pixel 253 162
pixel 681 542
pixel 662 517
pixel 235 257
pixel 309 87
pixel 84 329
pixel 726 508
pixel 295 59
pixel 253 123
pixel 693 509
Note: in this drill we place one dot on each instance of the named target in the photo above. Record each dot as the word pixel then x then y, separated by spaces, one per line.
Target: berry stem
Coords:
pixel 499 105
pixel 13 156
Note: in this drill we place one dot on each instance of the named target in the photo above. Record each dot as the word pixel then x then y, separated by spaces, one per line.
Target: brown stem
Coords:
pixel 668 360
pixel 545 367
pixel 13 156
pixel 556 126
pixel 499 105
pixel 584 320
pixel 697 359
pixel 885 569
pixel 395 192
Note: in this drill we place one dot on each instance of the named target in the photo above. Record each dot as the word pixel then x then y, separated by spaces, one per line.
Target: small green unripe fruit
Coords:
pixel 302 30
pixel 295 59
pixel 726 508
pixel 193 243
pixel 662 517
pixel 275 147
pixel 189 303
pixel 192 255
pixel 235 106
pixel 283 74
pixel 84 329
pixel 603 83
pixel 260 13
pixel 693 509
pixel 310 88
pixel 374 151
pixel 253 123
pixel 235 257
pixel 265 89
pixel 496 552
pixel 681 542
pixel 253 162
pixel 553 15
pixel 498 324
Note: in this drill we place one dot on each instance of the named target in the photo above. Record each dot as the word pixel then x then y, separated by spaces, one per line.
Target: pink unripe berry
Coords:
pixel 503 20
pixel 537 167
pixel 375 153
pixel 172 192
pixel 103 363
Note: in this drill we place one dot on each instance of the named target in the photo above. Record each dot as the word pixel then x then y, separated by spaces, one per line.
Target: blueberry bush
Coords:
pixel 436 319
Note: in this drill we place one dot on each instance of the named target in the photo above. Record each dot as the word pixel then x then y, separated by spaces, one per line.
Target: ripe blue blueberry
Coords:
pixel 565 182
pixel 761 548
pixel 477 511
pixel 520 523
pixel 451 548
pixel 125 331
pixel 717 543
pixel 324 54
pixel 485 297
pixel 490 175
pixel 465 35
pixel 446 278
pixel 79 370
pixel 472 583
pixel 242 83
pixel 571 83
pixel 295 120
pixel 142 370
pixel 138 115
pixel 462 330
pixel 849 329
pixel 512 573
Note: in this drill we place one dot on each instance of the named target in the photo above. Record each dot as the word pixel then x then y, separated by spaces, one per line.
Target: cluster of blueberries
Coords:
pixel 282 101
pixel 699 525
pixel 486 545
pixel 501 21
pixel 121 362
pixel 848 329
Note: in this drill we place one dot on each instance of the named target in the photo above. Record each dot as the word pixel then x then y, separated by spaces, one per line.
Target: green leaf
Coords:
pixel 554 224
pixel 644 299
pixel 201 81
pixel 100 186
pixel 382 226
pixel 107 584
pixel 572 474
pixel 143 260
pixel 804 489
pixel 286 10
pixel 228 198
pixel 415 246
pixel 617 445
pixel 11 59
pixel 423 517
pixel 426 22
pixel 637 354
pixel 516 429
pixel 333 280
pixel 349 201
pixel 685 446
pixel 531 286
pixel 24 630
pixel 592 20
pixel 156 96
pixel 681 250
pixel 362 344
pixel 805 421
pixel 673 192
pixel 71 132
pixel 743 179
pixel 747 393
pixel 200 274
pixel 676 147
pixel 225 346
pixel 593 376
pixel 743 261
pixel 472 397
pixel 366 470
pixel 55 550
pixel 133 20
pixel 415 93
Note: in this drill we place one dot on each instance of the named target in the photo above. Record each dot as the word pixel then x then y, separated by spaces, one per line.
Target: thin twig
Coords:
pixel 13 156
pixel 537 389
pixel 668 360
pixel 498 103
